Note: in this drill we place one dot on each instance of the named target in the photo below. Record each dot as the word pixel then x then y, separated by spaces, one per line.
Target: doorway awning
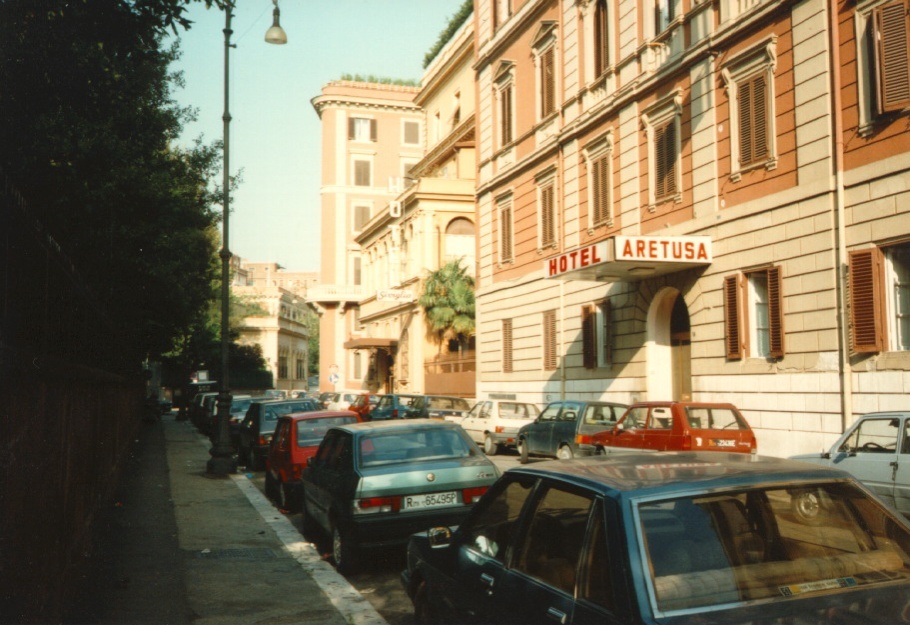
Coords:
pixel 371 342
pixel 628 259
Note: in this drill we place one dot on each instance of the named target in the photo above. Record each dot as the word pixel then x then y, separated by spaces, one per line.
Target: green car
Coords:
pixel 374 484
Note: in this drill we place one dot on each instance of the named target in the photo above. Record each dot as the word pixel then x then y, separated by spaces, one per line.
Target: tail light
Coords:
pixel 296 471
pixel 584 439
pixel 754 449
pixel 375 505
pixel 395 413
pixel 265 439
pixel 470 495
pixel 500 429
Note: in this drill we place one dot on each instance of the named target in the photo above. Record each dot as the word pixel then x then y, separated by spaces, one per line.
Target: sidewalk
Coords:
pixel 184 547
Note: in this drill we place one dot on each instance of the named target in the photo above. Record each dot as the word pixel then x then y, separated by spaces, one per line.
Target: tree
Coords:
pixel 448 303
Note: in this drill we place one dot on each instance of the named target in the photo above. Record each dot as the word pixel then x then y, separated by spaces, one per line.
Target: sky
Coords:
pixel 275 136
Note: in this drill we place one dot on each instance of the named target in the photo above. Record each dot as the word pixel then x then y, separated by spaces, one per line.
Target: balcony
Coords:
pixel 449 374
pixel 335 293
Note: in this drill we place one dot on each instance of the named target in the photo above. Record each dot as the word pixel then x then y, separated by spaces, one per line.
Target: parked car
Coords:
pixel 393 406
pixel 680 426
pixel 325 397
pixel 494 423
pixel 664 537
pixel 374 484
pixel 342 399
pixel 364 404
pixel 239 406
pixel 295 441
pixel 438 407
pixel 197 408
pixel 562 428
pixel 876 451
pixel 258 426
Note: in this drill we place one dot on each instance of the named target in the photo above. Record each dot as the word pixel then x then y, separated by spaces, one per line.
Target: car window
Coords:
pixel 552 545
pixel 700 417
pixel 550 412
pixel 282 435
pixel 635 417
pixel 595 583
pixel 489 530
pixel 874 436
pixel 905 447
pixel 413 445
pixel 384 402
pixel 310 432
pixel 661 419
pixel 341 456
pixel 599 415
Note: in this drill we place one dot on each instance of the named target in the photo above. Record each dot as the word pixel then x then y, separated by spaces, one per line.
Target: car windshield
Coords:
pixel 701 418
pixel 412 446
pixel 449 403
pixel 273 412
pixel 713 550
pixel 240 405
pixel 310 432
pixel 512 410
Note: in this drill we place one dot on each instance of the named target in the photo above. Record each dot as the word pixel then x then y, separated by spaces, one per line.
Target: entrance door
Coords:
pixel 669 358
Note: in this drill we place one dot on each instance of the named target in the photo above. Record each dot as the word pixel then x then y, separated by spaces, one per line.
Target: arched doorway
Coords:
pixel 669 364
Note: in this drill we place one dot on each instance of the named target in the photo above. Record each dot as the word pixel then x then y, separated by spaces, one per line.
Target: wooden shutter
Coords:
pixel 351 130
pixel 505 242
pixel 892 56
pixel 606 310
pixel 506 115
pixel 547 216
pixel 601 38
pixel 775 312
pixel 752 96
pixel 507 346
pixel 589 339
pixel 600 181
pixel 547 82
pixel 867 300
pixel 665 155
pixel 549 340
pixel 733 317
pixel 372 130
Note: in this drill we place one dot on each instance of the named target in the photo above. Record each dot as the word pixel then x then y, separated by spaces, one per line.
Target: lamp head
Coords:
pixel 276 33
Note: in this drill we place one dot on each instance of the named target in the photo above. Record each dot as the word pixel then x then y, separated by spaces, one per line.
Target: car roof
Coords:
pixel 669 473
pixel 318 414
pixel 397 424
pixel 686 404
pixel 281 402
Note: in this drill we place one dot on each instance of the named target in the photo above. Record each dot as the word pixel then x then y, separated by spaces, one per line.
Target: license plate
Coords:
pixel 431 500
pixel 724 443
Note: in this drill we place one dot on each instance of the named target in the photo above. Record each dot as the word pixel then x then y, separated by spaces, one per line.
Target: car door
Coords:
pixel 658 431
pixel 475 422
pixel 540 433
pixel 280 450
pixel 629 432
pixel 322 477
pixel 565 426
pixel 249 429
pixel 870 453
pixel 902 471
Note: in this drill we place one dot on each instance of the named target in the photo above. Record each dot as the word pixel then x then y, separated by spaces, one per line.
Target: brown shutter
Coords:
pixel 549 340
pixel 547 82
pixel 606 310
pixel 589 341
pixel 601 37
pixel 867 300
pixel 547 216
pixel 752 96
pixel 892 55
pixel 506 115
pixel 507 346
pixel 733 326
pixel 372 130
pixel 350 128
pixel 665 155
pixel 776 312
pixel 601 190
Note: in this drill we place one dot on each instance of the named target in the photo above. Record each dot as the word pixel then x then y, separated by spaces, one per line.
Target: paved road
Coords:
pixel 378 581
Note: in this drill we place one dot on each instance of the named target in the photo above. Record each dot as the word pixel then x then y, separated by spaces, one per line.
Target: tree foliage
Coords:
pixel 448 303
pixel 455 22
pixel 87 130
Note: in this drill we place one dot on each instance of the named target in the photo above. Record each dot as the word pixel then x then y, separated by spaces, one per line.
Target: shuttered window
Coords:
pixel 752 95
pixel 549 340
pixel 547 216
pixel 600 185
pixel 505 115
pixel 867 301
pixel 666 157
pixel 734 339
pixel 601 38
pixel 361 129
pixel 756 299
pixel 505 233
pixel 892 55
pixel 596 324
pixel 362 173
pixel 507 346
pixel 589 336
pixel 775 313
pixel 547 81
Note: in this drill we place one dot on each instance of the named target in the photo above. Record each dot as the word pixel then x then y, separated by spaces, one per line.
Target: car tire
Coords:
pixel 344 551
pixel 806 507
pixel 271 487
pixel 565 453
pixel 424 612
pixel 522 451
pixel 286 498
pixel 490 447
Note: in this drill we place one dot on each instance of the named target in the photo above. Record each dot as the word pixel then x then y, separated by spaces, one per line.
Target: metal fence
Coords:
pixel 69 407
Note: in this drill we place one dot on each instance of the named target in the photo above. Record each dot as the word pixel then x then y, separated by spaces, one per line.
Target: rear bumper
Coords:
pixel 393 529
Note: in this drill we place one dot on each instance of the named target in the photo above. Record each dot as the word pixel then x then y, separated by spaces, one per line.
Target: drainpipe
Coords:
pixel 840 234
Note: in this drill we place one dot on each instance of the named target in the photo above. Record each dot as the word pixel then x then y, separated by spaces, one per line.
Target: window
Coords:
pixel 505 92
pixel 664 14
pixel 411 132
pixel 505 231
pixel 880 298
pixel 544 46
pixel 546 210
pixel 600 176
pixel 361 216
pixel 750 85
pixel 282 367
pixel 661 123
pixel 597 334
pixel 891 52
pixel 358 366
pixel 357 272
pixel 601 38
pixel 361 129
pixel 363 173
pixel 494 524
pixel 549 340
pixel 595 583
pixel 753 314
pixel 875 436
pixel 507 346
pixel 301 373
pixel 502 9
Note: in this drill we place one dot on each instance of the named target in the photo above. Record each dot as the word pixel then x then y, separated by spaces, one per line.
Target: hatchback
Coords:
pixel 494 423
pixel 296 439
pixel 438 407
pixel 393 406
pixel 374 484
pixel 689 538
pixel 364 404
pixel 258 426
pixel 560 430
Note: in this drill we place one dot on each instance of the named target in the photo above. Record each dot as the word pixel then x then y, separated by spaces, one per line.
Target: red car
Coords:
pixel 363 405
pixel 297 437
pixel 679 426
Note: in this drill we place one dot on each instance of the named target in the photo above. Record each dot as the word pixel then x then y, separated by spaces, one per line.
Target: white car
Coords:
pixel 494 423
pixel 343 399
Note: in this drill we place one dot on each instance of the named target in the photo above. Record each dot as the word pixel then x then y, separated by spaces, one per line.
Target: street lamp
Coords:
pixel 222 461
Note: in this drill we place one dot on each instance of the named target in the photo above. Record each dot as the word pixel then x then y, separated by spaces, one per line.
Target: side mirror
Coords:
pixel 439 537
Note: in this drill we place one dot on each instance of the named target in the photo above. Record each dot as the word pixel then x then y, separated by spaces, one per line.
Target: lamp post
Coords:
pixel 222 461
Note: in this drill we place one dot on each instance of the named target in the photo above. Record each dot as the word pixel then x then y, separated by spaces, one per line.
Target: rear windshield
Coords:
pixel 449 403
pixel 715 419
pixel 412 445
pixel 310 432
pixel 273 412
pixel 711 550
pixel 513 410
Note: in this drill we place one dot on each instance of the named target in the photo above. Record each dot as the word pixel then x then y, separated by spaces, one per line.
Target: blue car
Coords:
pixel 665 537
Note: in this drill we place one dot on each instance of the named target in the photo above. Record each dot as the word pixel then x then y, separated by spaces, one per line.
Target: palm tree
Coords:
pixel 448 303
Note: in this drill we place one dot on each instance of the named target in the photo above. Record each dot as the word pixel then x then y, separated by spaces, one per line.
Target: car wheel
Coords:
pixel 522 451
pixel 287 500
pixel 271 487
pixel 343 550
pixel 806 507
pixel 424 611
pixel 490 447
pixel 565 453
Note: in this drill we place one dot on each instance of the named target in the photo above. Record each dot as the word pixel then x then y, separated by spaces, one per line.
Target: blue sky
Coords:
pixel 275 132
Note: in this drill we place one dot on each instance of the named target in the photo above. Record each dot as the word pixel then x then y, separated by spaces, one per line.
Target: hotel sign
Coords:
pixel 394 295
pixel 625 257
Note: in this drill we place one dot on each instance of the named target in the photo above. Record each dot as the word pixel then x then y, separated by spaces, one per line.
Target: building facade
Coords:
pixel 682 199
pixel 371 137
pixel 430 223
